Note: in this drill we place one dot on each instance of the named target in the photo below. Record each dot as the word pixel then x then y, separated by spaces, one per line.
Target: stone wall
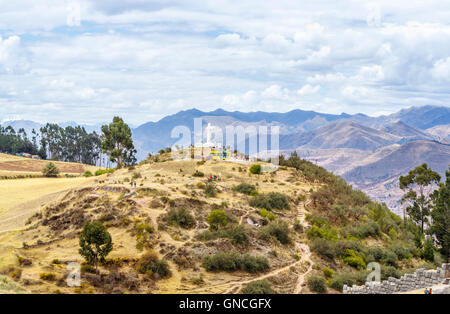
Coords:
pixel 420 279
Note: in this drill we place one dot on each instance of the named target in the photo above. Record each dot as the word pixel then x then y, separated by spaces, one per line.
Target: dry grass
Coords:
pixel 21 198
pixel 14 165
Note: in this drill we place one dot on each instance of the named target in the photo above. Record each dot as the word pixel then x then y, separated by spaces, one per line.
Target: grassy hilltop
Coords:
pixel 297 230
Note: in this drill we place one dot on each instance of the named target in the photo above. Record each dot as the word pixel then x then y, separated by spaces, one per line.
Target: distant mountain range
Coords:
pixel 369 152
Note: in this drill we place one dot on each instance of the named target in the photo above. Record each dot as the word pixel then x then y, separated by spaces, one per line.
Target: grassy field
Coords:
pixel 13 166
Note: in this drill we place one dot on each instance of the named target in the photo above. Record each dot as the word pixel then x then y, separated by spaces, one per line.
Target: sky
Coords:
pixel 87 60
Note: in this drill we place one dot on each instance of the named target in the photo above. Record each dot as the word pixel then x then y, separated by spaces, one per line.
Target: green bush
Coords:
pixel 400 250
pixel 198 174
pixel 210 190
pixel 150 264
pixel 277 229
pixel 233 261
pixel 217 219
pixel 50 170
pixel 270 201
pixel 390 258
pixel 47 276
pixel 245 188
pixel 377 252
pixel 267 214
pixel 390 271
pixel 258 287
pixel 354 259
pixel 317 284
pixel 255 169
pixel 327 272
pixel 237 233
pixel 364 230
pixel 87 174
pixel 324 232
pixel 100 172
pixel 181 217
pixel 337 283
pixel 324 248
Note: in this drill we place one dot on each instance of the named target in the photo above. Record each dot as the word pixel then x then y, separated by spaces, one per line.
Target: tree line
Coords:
pixel 12 142
pixel 73 144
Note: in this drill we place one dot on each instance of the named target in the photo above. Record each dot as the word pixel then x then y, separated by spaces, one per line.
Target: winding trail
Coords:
pixel 305 258
pixel 303 247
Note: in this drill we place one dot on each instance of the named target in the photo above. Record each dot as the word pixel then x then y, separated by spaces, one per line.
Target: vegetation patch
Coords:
pixel 258 287
pixel 181 217
pixel 270 201
pixel 233 261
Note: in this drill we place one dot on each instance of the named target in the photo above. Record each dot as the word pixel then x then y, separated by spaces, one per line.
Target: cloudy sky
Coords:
pixel 86 60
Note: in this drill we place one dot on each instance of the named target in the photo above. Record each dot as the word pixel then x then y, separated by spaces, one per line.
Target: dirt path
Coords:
pixel 306 258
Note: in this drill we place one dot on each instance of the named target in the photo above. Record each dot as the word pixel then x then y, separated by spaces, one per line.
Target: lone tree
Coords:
pixel 440 215
pixel 95 243
pixel 50 170
pixel 417 182
pixel 117 142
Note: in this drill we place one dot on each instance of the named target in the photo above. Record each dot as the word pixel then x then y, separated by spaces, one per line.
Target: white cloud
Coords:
pixel 153 58
pixel 371 73
pixel 275 91
pixel 441 69
pixel 308 89
pixel 13 58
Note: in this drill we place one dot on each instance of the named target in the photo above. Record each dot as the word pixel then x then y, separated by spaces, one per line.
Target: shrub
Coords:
pixel 390 258
pixel 255 169
pixel 270 201
pixel 210 190
pixel 87 174
pixel 50 170
pixel 233 261
pixel 47 276
pixel 317 284
pixel 198 174
pixel 277 229
pixel 137 175
pixel 217 218
pixel 400 250
pixel 378 253
pixel 368 229
pixel 245 188
pixel 337 283
pixel 100 172
pixel 327 272
pixel 258 287
pixel 267 214
pixel 181 217
pixel 86 268
pixel 354 259
pixel 390 271
pixel 150 264
pixel 237 233
pixel 324 232
pixel 324 248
